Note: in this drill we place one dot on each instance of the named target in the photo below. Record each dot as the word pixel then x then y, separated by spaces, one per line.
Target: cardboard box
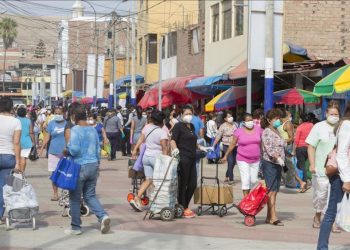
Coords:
pixel 210 195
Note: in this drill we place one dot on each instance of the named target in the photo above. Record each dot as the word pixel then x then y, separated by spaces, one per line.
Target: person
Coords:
pixel 258 114
pixel 184 144
pixel 172 119
pixel 102 136
pixel 114 130
pixel 198 125
pixel 273 160
pixel 321 142
pixel 84 148
pixel 225 135
pixel 27 136
pixel 55 133
pixel 156 140
pixel 211 129
pixel 126 146
pixel 286 130
pixel 248 139
pixel 121 136
pixel 339 183
pixel 70 120
pixel 138 122
pixel 300 146
pixel 10 147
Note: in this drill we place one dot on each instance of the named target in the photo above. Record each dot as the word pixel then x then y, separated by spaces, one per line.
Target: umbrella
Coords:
pixel 338 81
pixel 295 96
pixel 227 99
pixel 127 79
pixel 206 85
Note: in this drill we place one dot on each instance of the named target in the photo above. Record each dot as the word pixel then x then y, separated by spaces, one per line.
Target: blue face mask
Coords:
pixel 276 123
pixel 58 118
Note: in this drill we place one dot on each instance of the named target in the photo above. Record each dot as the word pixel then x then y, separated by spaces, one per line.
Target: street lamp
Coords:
pixel 96 54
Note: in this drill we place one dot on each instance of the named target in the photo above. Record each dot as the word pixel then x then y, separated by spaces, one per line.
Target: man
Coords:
pixel 113 126
pixel 126 146
pixel 121 119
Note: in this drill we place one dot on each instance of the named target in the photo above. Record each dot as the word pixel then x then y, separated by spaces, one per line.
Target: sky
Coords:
pixel 61 8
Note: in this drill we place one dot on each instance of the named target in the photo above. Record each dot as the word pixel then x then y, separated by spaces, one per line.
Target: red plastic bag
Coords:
pixel 255 201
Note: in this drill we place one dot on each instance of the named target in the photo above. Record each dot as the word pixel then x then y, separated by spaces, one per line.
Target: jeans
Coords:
pixel 336 196
pixel 301 154
pixel 87 187
pixel 231 162
pixel 113 140
pixel 7 164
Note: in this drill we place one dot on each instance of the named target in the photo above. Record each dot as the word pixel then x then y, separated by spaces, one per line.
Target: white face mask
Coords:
pixel 230 120
pixel 332 119
pixel 249 125
pixel 91 122
pixel 187 118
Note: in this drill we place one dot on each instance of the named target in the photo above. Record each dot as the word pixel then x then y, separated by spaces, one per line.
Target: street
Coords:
pixel 129 231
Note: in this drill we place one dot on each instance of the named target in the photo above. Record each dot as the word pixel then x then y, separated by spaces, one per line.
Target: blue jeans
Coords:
pixel 87 186
pixel 7 164
pixel 231 162
pixel 336 196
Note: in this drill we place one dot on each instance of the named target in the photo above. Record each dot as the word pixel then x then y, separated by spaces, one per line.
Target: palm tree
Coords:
pixel 8 32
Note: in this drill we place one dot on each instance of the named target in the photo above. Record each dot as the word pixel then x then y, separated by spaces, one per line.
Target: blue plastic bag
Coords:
pixel 214 155
pixel 66 174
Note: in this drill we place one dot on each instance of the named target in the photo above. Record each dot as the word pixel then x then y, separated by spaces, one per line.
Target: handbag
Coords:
pixel 343 213
pixel 66 174
pixel 33 156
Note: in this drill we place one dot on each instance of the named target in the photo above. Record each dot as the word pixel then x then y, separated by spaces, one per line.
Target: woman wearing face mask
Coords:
pixel 273 159
pixel 102 136
pixel 212 129
pixel 138 122
pixel 184 143
pixel 55 133
pixel 248 139
pixel 321 141
pixel 225 134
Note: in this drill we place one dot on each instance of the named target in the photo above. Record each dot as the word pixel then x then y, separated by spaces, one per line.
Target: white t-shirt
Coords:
pixel 211 129
pixel 154 134
pixel 8 127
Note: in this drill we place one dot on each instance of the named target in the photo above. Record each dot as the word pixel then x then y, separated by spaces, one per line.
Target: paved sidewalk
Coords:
pixel 129 231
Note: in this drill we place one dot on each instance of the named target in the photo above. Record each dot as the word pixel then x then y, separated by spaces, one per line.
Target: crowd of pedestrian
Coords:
pixel 272 146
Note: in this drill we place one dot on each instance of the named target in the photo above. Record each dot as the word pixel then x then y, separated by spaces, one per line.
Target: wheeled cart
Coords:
pixel 137 178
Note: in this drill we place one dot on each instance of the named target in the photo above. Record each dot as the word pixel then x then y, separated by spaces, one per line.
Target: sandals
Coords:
pixel 277 223
pixel 304 188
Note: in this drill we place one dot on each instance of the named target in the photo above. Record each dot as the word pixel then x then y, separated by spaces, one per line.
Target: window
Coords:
pixel 226 19
pixel 195 41
pixel 140 51
pixel 151 48
pixel 172 44
pixel 163 47
pixel 215 22
pixel 239 17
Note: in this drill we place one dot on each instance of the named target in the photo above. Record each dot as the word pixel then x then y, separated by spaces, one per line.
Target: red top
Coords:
pixel 302 133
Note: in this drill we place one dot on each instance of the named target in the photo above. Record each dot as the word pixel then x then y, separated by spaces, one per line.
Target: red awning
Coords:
pixel 239 72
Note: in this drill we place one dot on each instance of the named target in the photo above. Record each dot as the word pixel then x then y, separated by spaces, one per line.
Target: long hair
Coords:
pixel 270 115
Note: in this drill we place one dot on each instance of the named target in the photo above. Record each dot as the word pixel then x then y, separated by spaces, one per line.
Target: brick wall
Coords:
pixel 320 26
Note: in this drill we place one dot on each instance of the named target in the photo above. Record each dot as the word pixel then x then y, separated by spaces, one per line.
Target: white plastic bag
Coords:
pixel 25 198
pixel 343 213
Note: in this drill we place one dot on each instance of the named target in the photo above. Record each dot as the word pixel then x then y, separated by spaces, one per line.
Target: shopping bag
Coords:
pixel 107 148
pixel 255 201
pixel 33 156
pixel 215 154
pixel 138 166
pixel 343 213
pixel 66 174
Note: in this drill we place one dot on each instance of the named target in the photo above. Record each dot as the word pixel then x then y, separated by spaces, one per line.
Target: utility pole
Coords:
pixel 96 64
pixel 61 60
pixel 249 70
pixel 269 64
pixel 160 75
pixel 114 19
pixel 133 65
pixel 128 46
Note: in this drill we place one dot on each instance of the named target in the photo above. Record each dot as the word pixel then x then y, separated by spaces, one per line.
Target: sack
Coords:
pixel 138 166
pixel 255 201
pixel 33 156
pixel 214 155
pixel 23 198
pixel 66 174
pixel 343 213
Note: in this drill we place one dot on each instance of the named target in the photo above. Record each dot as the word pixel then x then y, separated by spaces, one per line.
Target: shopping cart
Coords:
pixel 137 178
pixel 64 202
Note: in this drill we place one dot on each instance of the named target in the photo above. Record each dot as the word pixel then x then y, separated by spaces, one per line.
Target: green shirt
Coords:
pixel 322 138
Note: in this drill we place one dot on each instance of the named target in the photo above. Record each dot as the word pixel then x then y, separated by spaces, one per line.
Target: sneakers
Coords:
pixel 73 232
pixel 136 206
pixel 105 224
pixel 188 213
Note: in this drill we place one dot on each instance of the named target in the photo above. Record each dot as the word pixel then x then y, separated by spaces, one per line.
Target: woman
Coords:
pixel 339 183
pixel 27 136
pixel 248 153
pixel 212 129
pixel 156 140
pixel 114 130
pixel 84 148
pixel 258 114
pixel 225 134
pixel 55 134
pixel 273 159
pixel 70 120
pixel 300 146
pixel 172 119
pixel 286 130
pixel 10 147
pixel 184 143
pixel 102 136
pixel 321 142
pixel 138 122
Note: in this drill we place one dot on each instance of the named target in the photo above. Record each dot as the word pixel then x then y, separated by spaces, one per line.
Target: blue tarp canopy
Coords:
pixel 206 85
pixel 127 79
